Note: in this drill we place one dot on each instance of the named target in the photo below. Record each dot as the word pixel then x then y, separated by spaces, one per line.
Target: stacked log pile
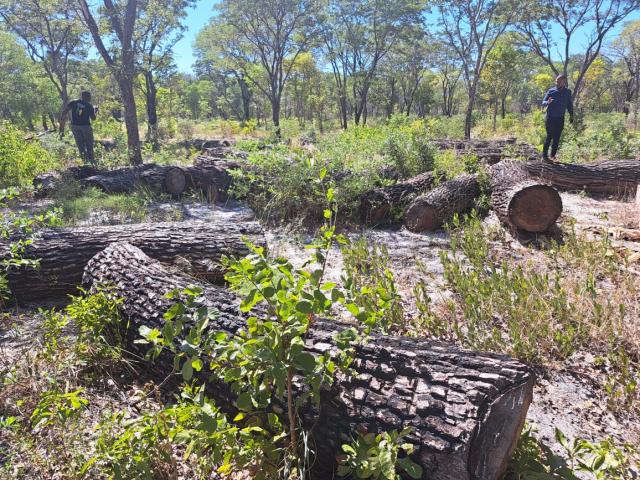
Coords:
pixel 64 252
pixel 377 205
pixel 209 174
pixel 465 409
pixel 489 151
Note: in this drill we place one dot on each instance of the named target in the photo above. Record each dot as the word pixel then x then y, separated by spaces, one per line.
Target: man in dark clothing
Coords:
pixel 82 112
pixel 557 100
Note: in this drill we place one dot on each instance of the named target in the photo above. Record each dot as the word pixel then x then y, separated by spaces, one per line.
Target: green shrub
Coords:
pixel 21 160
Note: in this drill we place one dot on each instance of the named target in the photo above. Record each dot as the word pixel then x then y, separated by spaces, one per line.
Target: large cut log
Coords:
pixel 64 252
pixel 376 205
pixel 430 211
pixel 611 177
pixel 465 409
pixel 521 202
pixel 166 178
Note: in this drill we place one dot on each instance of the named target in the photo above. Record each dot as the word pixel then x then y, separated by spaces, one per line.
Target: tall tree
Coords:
pixel 542 22
pixel 472 28
pixel 446 63
pixel 158 28
pixel 53 37
pixel 120 58
pixel 358 34
pixel 270 34
pixel 215 61
pixel 627 49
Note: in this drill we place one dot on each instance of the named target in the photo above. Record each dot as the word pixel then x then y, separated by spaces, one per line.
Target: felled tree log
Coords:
pixel 64 252
pixel 211 176
pixel 376 205
pixel 521 202
pixel 167 178
pixel 465 409
pixel 611 177
pixel 430 211
pixel 203 143
pixel 47 183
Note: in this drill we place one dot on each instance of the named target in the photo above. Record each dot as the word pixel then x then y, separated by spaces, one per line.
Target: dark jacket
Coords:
pixel 562 102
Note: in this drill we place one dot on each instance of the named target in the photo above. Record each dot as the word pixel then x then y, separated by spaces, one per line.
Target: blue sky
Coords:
pixel 199 16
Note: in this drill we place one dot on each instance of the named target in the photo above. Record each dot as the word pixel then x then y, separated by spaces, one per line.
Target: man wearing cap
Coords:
pixel 82 113
pixel 557 100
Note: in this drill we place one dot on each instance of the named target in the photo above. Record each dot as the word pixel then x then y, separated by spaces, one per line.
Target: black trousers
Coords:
pixel 554 126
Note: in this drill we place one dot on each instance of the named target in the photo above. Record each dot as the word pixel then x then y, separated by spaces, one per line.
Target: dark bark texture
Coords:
pixel 466 409
pixel 166 178
pixel 521 202
pixel 376 205
pixel 610 177
pixel 430 211
pixel 64 252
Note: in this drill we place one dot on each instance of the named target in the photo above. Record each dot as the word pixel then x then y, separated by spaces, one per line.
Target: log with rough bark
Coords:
pixel 64 252
pixel 376 205
pixel 465 409
pixel 211 176
pixel 610 177
pixel 166 178
pixel 46 183
pixel 430 211
pixel 203 143
pixel 521 202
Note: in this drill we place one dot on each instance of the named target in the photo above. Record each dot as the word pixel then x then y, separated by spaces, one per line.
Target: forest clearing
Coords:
pixel 352 240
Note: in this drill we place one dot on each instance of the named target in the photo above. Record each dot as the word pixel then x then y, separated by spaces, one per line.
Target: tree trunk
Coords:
pixel 152 110
pixel 376 205
pixel 521 202
pixel 429 212
pixel 468 116
pixel 47 183
pixel 130 119
pixel 610 177
pixel 166 178
pixel 465 409
pixel 246 98
pixel 64 252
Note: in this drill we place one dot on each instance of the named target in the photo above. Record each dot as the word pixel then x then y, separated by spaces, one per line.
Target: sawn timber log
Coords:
pixel 166 178
pixel 609 177
pixel 63 252
pixel 376 205
pixel 430 211
pixel 521 202
pixel 465 409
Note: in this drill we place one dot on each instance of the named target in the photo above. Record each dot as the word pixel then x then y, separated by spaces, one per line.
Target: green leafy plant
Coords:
pixel 372 287
pixel 57 407
pixel 534 460
pixel 377 457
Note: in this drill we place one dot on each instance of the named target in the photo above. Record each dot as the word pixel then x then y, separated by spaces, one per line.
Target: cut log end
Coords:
pixel 422 218
pixel 534 208
pixel 175 181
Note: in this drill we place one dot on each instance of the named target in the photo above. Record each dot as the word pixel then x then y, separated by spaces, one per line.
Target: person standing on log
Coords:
pixel 82 113
pixel 557 100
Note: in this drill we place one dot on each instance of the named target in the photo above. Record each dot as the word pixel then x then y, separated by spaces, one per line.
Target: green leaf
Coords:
pixel 306 362
pixel 413 469
pixel 304 306
pixel 244 402
pixel 196 363
pixel 187 371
